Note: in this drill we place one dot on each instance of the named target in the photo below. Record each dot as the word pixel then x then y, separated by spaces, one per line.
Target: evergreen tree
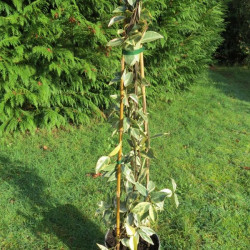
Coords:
pixel 50 61
pixel 55 66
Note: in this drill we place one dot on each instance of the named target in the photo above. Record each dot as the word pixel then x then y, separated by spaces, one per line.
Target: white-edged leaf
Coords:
pixel 116 19
pixel 174 185
pixel 120 9
pixel 176 200
pixel 145 237
pixel 147 230
pixel 116 150
pixel 130 230
pixel 112 177
pixel 131 59
pixel 134 241
pixel 114 96
pixel 102 247
pixel 141 208
pixel 128 174
pixel 167 191
pixel 102 162
pixel 152 213
pixel 128 78
pixel 151 36
pixel 141 189
pixel 131 2
pixel 115 42
pixel 120 31
pixel 134 97
pixel 151 186
pixel 108 168
pixel 125 242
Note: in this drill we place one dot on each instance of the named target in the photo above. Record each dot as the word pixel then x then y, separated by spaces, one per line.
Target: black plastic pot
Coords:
pixel 154 237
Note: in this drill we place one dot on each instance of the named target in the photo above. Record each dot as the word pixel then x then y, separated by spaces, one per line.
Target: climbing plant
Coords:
pixel 136 204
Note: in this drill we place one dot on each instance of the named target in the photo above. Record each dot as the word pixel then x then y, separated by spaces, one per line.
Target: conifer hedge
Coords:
pixel 55 66
pixel 236 46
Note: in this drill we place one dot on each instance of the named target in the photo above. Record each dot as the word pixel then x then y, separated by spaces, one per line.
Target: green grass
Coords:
pixel 47 200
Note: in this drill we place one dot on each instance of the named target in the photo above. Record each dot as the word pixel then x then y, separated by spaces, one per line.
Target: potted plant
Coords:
pixel 135 208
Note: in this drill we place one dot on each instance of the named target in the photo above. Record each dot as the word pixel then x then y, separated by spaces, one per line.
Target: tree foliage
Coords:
pixel 55 65
pixel 236 46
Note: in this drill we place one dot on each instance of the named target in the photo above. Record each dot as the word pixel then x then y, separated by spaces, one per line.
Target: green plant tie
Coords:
pixel 132 52
pixel 119 162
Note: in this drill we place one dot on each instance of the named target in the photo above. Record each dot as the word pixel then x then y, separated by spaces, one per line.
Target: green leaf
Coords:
pixel 141 208
pixel 123 208
pixel 102 162
pixel 145 237
pixel 102 247
pixel 116 19
pixel 126 124
pixel 151 36
pixel 115 42
pixel 116 150
pixel 130 219
pixel 144 117
pixel 157 197
pixel 150 153
pixel 117 78
pixel 141 189
pixel 159 135
pixel 135 133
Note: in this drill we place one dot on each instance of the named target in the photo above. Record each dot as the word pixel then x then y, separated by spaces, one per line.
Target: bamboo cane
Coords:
pixel 118 222
pixel 146 127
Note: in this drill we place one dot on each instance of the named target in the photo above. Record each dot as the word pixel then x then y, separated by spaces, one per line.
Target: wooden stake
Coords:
pixel 146 127
pixel 118 195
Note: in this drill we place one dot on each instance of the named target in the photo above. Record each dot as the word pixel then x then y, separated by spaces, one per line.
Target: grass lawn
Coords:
pixel 48 200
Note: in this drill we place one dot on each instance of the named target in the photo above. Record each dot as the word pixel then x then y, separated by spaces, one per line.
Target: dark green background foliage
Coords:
pixel 236 46
pixel 55 65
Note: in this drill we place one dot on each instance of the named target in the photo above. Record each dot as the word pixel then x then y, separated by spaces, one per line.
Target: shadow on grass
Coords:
pixel 63 220
pixel 234 82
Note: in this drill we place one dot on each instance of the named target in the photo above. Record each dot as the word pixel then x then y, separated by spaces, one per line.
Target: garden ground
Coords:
pixel 48 197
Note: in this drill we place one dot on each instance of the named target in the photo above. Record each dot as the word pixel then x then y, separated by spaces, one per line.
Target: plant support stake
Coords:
pixel 144 99
pixel 118 195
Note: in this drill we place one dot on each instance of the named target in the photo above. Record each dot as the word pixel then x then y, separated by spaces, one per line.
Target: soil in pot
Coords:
pixel 143 245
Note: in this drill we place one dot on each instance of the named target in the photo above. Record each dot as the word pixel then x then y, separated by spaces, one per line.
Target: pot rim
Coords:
pixel 106 236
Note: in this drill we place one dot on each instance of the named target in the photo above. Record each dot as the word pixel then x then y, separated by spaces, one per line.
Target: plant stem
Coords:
pixel 146 127
pixel 118 221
